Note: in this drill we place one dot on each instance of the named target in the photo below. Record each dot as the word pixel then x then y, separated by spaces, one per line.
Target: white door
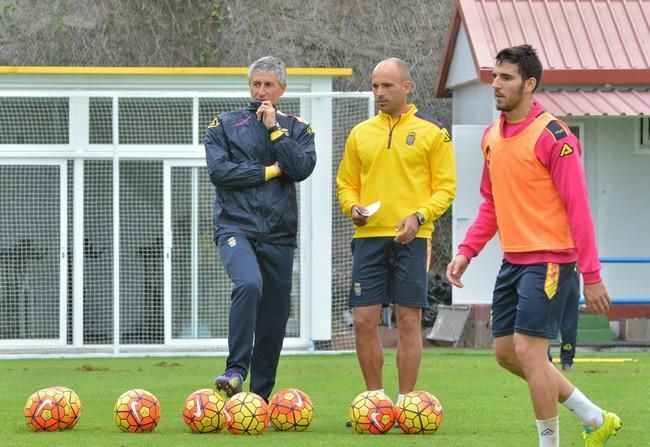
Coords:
pixel 33 252
pixel 197 289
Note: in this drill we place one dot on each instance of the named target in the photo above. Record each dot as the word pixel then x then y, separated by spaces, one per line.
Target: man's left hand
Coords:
pixel 407 229
pixel 596 297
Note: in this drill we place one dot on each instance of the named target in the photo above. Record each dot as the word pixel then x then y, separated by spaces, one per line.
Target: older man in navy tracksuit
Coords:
pixel 255 155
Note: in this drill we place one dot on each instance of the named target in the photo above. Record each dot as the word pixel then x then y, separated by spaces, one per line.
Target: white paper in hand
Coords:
pixel 372 208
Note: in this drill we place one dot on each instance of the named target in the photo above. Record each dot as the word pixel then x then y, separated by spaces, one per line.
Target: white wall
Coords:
pixel 473 111
pixel 473 104
pixel 619 181
pixel 461 69
pixel 479 277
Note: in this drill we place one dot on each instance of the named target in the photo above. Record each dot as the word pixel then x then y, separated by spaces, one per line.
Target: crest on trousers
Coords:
pixel 357 289
pixel 410 138
pixel 232 241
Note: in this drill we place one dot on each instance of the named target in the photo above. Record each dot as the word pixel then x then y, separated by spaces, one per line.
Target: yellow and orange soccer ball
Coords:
pixel 372 412
pixel 291 409
pixel 137 410
pixel 47 410
pixel 203 411
pixel 54 408
pixel 246 414
pixel 419 412
pixel 74 404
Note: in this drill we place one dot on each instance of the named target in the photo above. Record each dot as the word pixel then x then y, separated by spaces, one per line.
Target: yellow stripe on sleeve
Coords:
pixel 276 134
pixel 271 172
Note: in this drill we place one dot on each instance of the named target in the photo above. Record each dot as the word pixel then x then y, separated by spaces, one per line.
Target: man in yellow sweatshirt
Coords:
pixel 397 176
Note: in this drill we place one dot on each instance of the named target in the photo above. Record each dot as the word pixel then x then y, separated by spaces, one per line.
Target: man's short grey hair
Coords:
pixel 402 66
pixel 269 64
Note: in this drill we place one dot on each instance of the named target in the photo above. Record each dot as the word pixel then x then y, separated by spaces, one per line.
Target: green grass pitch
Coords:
pixel 483 405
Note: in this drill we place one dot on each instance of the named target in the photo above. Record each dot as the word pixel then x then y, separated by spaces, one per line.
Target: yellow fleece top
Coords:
pixel 408 164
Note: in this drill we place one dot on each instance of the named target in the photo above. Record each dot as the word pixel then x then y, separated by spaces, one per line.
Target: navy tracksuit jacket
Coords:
pixel 255 229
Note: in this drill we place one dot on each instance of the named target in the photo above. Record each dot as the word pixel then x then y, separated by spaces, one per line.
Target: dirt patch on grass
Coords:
pixel 87 367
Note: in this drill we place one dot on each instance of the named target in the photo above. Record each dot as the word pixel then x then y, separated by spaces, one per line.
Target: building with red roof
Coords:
pixel 596 57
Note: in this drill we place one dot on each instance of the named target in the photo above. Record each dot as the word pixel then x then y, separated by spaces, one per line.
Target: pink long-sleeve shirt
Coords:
pixel 568 176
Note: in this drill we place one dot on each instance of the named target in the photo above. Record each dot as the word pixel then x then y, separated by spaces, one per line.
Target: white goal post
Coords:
pixel 106 228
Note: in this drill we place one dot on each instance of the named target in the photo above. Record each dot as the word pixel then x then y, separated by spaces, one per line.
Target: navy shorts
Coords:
pixel 530 299
pixel 384 272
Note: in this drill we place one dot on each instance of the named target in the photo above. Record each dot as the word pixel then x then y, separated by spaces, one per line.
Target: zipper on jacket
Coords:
pixel 390 132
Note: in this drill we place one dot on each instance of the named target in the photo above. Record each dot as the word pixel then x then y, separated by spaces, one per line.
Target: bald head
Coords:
pixel 397 66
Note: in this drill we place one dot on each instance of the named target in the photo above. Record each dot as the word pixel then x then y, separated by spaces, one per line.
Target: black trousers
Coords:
pixel 569 330
pixel 260 302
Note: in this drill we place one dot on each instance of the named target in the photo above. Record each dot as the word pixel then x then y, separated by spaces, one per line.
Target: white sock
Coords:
pixel 549 432
pixel 400 397
pixel 589 413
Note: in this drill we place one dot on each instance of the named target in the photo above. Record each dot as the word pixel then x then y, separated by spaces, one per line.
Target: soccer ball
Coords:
pixel 47 410
pixel 203 411
pixel 246 413
pixel 137 410
pixel 74 404
pixel 419 412
pixel 290 409
pixel 372 412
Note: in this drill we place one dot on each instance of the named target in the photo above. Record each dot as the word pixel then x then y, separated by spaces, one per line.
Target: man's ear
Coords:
pixel 530 85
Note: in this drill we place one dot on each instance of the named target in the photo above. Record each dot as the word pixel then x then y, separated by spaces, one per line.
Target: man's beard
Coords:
pixel 509 106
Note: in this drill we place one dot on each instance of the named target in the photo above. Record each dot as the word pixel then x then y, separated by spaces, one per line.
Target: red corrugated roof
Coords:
pixel 588 42
pixel 596 102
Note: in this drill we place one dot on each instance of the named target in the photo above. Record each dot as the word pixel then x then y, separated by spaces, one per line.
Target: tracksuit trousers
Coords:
pixel 260 302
